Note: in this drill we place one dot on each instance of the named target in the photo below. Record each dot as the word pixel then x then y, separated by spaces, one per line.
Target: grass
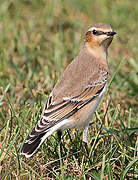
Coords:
pixel 38 39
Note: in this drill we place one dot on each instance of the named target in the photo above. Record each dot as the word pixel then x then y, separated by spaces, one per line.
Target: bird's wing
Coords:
pixel 55 113
pixel 82 81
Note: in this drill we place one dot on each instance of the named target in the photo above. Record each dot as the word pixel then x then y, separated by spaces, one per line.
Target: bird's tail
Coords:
pixel 33 142
pixel 38 136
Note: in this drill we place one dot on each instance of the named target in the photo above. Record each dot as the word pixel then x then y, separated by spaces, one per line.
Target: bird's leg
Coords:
pixel 61 146
pixel 69 136
pixel 59 133
pixel 85 139
pixel 85 142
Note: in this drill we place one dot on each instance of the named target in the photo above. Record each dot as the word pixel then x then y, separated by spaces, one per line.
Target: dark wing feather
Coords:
pixel 54 113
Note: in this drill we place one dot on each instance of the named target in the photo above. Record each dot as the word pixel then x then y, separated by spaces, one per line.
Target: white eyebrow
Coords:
pixel 92 28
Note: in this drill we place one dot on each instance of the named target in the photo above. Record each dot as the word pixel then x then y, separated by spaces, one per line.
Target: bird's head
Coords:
pixel 99 35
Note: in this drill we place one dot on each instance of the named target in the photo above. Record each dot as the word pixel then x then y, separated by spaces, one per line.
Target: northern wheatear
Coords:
pixel 78 92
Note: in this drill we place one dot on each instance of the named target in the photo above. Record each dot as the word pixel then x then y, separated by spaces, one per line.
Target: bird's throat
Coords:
pixel 97 51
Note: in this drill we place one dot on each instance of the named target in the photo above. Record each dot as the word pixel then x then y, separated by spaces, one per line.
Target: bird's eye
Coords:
pixel 94 32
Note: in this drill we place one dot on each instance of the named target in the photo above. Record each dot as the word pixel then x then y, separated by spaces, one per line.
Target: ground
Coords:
pixel 38 39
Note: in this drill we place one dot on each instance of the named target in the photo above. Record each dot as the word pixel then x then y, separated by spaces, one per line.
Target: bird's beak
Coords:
pixel 112 33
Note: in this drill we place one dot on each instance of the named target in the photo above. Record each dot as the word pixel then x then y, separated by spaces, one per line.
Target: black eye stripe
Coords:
pixel 97 33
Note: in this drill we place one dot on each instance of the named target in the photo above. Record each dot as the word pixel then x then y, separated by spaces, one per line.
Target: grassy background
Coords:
pixel 38 39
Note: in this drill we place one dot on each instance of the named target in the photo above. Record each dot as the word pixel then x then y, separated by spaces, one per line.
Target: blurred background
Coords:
pixel 38 39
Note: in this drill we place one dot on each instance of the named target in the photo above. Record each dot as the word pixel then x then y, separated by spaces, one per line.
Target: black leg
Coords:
pixel 69 136
pixel 86 148
pixel 87 151
pixel 59 133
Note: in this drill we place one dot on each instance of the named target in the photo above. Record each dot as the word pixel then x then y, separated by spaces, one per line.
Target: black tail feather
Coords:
pixel 29 147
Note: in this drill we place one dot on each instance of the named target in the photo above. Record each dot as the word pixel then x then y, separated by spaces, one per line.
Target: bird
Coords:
pixel 77 93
